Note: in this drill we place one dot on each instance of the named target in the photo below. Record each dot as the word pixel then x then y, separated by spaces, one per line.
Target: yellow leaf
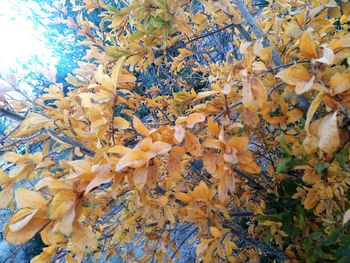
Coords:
pixel 327 57
pixel 133 159
pixel 50 237
pixel 311 199
pixel 70 259
pixel 329 134
pixel 183 197
pixel 201 192
pixel 126 77
pixel 140 177
pixel 202 246
pixel 4 178
pixel 159 148
pixel 294 115
pixel 294 75
pixel 53 184
pixel 101 178
pixel 179 133
pixel 253 92
pixel 205 94
pixel 215 232
pixel 308 47
pixel 61 203
pixel 193 145
pixel 46 255
pixel 175 166
pixel 346 217
pixel 29 230
pixel 6 196
pixel 304 86
pixel 116 70
pixel 83 240
pixel 121 123
pixel 194 118
pixel 169 214
pixel 20 224
pixel 214 144
pixel 65 224
pixel 29 199
pixel 104 79
pixel 32 124
pixel 12 157
pixel 312 109
pixel 213 127
pixel 119 149
pixel 139 127
pixel 340 83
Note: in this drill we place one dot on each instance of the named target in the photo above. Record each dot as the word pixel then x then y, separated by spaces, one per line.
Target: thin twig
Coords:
pixel 194 230
pixel 208 34
pixel 256 30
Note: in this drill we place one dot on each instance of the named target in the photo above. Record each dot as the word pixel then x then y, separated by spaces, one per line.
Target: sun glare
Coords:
pixel 22 37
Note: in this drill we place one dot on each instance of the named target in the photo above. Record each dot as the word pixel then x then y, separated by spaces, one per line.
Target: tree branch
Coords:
pixel 256 30
pixel 256 243
pixel 66 139
pixel 209 34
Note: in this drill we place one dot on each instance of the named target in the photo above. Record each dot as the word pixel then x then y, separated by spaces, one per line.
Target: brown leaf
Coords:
pixel 175 166
pixel 140 177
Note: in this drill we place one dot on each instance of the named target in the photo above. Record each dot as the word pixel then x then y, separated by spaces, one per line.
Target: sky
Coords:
pixel 22 36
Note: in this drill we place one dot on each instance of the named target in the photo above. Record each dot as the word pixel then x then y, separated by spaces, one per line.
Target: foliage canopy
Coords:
pixel 245 142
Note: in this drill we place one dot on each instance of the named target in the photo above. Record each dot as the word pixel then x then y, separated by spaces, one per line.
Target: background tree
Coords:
pixel 223 117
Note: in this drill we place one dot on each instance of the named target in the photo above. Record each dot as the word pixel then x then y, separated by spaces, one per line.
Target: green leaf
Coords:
pixel 343 158
pixel 289 186
pixel 136 36
pixel 285 164
pixel 112 9
pixel 284 147
pixel 321 167
pixel 332 238
pixel 272 217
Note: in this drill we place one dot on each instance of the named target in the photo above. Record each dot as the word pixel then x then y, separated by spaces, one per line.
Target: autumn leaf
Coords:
pixel 61 203
pixel 23 225
pixel 175 166
pixel 253 92
pixel 346 217
pixel 329 134
pixel 65 224
pixel 83 239
pixel 215 232
pixel 132 159
pixel 139 127
pixel 194 118
pixel 193 145
pixel 29 199
pixel 121 124
pixel 6 196
pixel 308 47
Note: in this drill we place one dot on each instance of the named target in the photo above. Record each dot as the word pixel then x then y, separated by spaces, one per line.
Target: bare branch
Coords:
pixel 256 30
